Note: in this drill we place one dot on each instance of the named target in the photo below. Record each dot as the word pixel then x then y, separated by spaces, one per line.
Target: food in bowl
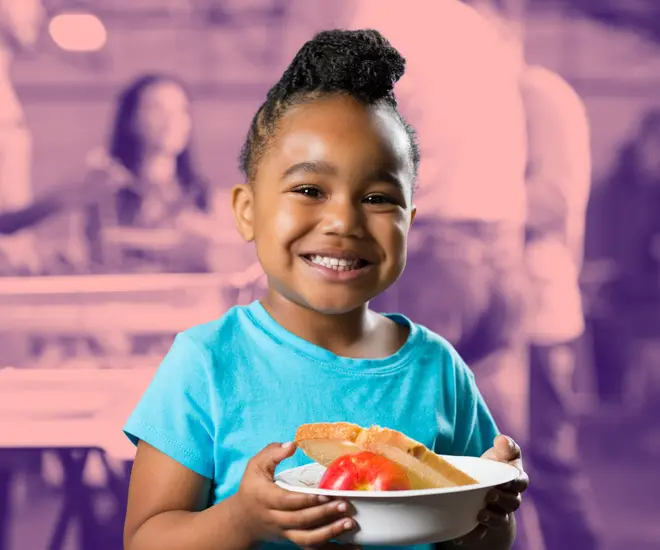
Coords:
pixel 329 443
pixel 364 471
pixel 406 518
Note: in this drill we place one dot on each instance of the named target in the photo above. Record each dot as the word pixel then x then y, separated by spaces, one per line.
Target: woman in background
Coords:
pixel 143 226
pixel 141 207
pixel 145 207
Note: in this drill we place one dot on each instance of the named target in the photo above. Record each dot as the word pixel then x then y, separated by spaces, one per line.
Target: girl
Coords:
pixel 330 166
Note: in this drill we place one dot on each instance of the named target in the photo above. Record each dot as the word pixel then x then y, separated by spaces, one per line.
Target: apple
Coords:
pixel 364 471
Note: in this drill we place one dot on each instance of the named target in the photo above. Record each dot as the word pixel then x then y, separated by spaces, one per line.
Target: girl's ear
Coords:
pixel 242 202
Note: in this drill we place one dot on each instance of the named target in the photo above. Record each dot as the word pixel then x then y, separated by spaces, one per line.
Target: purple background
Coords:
pixel 79 340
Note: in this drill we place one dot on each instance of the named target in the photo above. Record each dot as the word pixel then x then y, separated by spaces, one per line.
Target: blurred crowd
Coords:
pixel 534 270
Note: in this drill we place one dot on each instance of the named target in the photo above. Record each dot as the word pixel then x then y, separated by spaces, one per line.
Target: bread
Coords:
pixel 325 442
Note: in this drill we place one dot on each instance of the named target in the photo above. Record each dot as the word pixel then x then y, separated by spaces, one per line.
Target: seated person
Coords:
pixel 144 207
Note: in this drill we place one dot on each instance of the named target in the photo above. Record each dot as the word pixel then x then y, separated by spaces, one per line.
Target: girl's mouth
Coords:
pixel 337 269
pixel 336 264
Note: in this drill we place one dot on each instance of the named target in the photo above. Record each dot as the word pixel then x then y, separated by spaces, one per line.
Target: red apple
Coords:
pixel 364 471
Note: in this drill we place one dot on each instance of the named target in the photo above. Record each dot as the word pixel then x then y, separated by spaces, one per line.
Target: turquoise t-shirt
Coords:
pixel 228 388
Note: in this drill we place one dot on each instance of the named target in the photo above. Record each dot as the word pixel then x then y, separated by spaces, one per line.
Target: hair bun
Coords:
pixel 362 63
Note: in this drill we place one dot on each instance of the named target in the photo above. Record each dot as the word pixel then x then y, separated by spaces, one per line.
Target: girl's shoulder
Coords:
pixel 223 334
pixel 441 348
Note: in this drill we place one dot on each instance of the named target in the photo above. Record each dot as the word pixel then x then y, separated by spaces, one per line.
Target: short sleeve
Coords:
pixel 474 428
pixel 174 414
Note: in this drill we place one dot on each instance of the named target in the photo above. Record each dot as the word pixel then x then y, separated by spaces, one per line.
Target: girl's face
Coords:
pixel 330 207
pixel 163 120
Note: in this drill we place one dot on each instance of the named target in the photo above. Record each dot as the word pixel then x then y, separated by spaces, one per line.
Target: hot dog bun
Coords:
pixel 325 442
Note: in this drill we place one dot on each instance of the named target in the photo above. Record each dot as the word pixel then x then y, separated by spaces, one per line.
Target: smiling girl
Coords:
pixel 330 166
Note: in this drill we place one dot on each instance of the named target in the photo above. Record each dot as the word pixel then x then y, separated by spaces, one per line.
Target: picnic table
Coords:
pixel 72 414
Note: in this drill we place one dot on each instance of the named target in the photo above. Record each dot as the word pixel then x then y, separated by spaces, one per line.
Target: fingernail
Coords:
pixel 287 445
pixel 323 499
pixel 512 443
pixel 342 507
pixel 348 524
pixel 493 497
pixel 484 516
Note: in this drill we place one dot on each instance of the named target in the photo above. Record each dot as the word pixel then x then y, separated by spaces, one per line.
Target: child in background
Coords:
pixel 330 166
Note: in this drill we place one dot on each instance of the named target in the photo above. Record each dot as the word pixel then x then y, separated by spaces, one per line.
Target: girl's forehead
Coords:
pixel 342 128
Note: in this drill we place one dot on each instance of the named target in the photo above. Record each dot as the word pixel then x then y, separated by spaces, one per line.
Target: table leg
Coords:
pixel 117 482
pixel 5 505
pixel 117 477
pixel 78 501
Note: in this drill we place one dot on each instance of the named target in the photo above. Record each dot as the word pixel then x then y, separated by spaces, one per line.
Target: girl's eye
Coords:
pixel 380 199
pixel 309 191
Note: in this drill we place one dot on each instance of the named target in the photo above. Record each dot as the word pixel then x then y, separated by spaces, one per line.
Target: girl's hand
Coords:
pixel 269 512
pixel 504 500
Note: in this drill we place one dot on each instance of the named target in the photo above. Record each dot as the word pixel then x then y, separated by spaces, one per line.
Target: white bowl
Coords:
pixel 403 518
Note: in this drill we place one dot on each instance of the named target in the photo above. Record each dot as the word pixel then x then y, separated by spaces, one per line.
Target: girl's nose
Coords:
pixel 343 219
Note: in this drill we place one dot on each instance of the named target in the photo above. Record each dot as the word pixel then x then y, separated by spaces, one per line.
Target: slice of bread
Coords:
pixel 325 442
pixel 425 469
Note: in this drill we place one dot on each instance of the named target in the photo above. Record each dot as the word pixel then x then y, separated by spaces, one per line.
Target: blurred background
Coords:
pixel 117 157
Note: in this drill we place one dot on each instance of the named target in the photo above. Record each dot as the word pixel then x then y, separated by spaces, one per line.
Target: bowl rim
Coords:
pixel 509 473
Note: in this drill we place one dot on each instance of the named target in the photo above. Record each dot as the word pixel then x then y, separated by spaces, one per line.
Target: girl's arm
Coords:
pixel 167 509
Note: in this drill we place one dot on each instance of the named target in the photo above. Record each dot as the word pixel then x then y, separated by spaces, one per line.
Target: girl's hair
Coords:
pixel 361 64
pixel 126 146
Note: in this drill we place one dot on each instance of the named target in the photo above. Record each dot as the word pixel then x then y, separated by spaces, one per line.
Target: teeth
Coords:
pixel 335 263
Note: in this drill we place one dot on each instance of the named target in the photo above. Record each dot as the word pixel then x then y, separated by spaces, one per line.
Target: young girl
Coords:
pixel 330 166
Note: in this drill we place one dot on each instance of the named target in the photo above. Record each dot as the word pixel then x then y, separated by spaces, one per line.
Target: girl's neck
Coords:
pixel 360 333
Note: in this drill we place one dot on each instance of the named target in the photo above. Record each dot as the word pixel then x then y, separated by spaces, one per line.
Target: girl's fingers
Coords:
pixel 277 498
pixel 518 485
pixel 312 518
pixel 493 519
pixel 505 500
pixel 321 535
